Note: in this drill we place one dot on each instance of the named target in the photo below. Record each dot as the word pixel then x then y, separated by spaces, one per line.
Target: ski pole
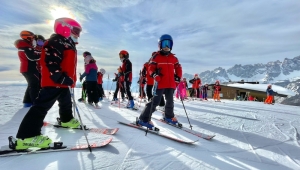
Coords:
pixel 186 113
pixel 83 128
pixel 74 104
pixel 154 94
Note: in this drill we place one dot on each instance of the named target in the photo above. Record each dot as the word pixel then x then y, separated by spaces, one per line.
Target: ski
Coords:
pixel 56 147
pixel 107 131
pixel 122 105
pixel 201 135
pixel 158 133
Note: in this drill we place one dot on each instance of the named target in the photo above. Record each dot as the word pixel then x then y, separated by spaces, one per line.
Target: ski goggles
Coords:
pixel 40 42
pixel 76 31
pixel 166 43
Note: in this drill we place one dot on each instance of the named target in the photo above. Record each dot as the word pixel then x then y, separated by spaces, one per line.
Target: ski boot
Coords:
pixel 130 104
pixel 115 99
pixel 148 125
pixel 81 100
pixel 27 105
pixel 73 123
pixel 173 121
pixel 97 106
pixel 39 141
pixel 100 99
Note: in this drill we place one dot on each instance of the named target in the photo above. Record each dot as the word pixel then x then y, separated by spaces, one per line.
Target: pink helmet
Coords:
pixel 66 27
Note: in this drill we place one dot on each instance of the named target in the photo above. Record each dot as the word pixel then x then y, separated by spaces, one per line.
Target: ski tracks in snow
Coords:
pixel 296 134
pixel 250 146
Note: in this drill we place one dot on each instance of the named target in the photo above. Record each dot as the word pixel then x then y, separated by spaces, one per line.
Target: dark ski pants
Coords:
pixel 150 95
pixel 127 85
pixel 33 87
pixel 32 123
pixel 149 91
pixel 119 86
pixel 169 108
pixel 83 92
pixel 100 90
pixel 194 92
pixel 92 91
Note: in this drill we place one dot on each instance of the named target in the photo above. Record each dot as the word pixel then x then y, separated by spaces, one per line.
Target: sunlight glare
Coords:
pixel 58 12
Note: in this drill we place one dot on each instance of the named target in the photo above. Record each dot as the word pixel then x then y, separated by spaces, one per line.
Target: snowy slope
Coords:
pixel 249 135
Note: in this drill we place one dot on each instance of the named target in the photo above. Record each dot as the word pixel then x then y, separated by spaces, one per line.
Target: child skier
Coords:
pixel 217 89
pixel 270 95
pixel 119 86
pixel 204 91
pixel 126 71
pixel 162 67
pixel 100 81
pixel 181 90
pixel 91 80
pixel 142 82
pixel 196 83
pixel 29 67
pixel 58 63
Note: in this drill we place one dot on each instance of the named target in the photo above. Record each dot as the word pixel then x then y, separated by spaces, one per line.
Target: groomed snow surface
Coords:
pixel 249 135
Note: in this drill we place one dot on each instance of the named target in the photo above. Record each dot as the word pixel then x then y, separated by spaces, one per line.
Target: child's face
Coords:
pixel 166 49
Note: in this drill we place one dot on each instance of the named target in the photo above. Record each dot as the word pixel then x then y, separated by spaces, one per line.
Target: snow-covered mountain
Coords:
pixel 284 73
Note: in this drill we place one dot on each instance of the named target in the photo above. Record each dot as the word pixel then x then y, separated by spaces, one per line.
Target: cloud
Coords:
pixel 207 34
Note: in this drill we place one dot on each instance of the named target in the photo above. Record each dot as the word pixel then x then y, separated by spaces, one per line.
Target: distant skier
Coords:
pixel 164 67
pixel 217 89
pixel 29 65
pixel 204 91
pixel 270 95
pixel 196 83
pixel 58 63
pixel 100 74
pixel 90 75
pixel 141 82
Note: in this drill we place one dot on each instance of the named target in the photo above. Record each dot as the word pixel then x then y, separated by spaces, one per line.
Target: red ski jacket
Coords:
pixel 127 70
pixel 196 83
pixel 99 78
pixel 169 66
pixel 28 57
pixel 145 73
pixel 58 53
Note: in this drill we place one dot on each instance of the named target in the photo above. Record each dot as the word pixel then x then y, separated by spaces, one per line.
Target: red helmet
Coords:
pixel 196 75
pixel 66 27
pixel 217 82
pixel 124 53
pixel 27 35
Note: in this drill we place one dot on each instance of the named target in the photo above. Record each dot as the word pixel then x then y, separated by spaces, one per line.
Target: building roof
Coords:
pixel 263 88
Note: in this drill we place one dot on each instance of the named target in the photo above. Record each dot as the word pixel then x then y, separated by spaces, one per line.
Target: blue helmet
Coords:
pixel 165 37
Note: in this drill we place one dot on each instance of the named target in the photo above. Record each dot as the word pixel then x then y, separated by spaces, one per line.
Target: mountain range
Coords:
pixel 284 73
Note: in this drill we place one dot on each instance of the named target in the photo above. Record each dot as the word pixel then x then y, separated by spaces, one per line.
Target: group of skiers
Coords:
pixel 49 66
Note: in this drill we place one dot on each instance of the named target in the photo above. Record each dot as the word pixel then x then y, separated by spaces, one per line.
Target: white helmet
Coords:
pixel 87 59
pixel 102 71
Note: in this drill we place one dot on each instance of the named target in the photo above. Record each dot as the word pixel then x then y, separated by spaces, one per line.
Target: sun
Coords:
pixel 58 12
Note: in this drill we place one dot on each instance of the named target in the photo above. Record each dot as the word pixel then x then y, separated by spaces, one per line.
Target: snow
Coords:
pixel 249 135
pixel 263 87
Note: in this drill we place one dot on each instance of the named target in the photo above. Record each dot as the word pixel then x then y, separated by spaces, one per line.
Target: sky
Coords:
pixel 206 34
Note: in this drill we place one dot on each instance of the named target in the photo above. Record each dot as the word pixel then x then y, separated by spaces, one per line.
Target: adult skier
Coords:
pixel 162 67
pixel 58 61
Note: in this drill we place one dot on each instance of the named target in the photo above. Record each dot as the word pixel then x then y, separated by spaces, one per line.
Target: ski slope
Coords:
pixel 249 135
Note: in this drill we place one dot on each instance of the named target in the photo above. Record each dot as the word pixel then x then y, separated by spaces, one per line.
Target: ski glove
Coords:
pixel 177 78
pixel 157 78
pixel 62 78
